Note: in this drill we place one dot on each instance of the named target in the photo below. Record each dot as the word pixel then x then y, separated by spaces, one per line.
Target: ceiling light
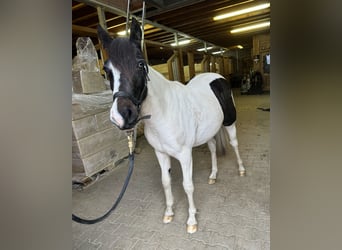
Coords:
pixel 122 33
pixel 236 47
pixel 251 27
pixel 203 49
pixel 183 42
pixel 242 11
pixel 217 52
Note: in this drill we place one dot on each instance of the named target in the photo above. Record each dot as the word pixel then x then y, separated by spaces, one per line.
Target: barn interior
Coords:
pixel 182 38
pixel 191 36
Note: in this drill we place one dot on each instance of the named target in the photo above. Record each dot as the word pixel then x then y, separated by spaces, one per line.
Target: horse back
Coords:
pixel 221 88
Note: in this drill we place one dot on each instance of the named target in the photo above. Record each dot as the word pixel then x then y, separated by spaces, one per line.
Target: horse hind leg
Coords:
pixel 165 164
pixel 212 148
pixel 234 142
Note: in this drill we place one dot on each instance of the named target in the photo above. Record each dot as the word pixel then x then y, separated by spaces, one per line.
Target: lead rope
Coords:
pixel 75 218
pixel 130 138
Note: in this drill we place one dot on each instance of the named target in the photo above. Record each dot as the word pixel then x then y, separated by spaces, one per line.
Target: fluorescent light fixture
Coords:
pixel 203 49
pixel 236 47
pixel 122 33
pixel 242 11
pixel 183 42
pixel 251 27
pixel 217 52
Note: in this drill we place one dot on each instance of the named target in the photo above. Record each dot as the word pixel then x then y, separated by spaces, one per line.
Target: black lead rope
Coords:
pixel 136 102
pixel 130 171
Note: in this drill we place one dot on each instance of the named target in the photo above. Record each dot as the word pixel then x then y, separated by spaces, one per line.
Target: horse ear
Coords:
pixel 104 37
pixel 135 35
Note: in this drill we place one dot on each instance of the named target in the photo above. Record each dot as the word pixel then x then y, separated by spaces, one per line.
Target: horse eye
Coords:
pixel 141 65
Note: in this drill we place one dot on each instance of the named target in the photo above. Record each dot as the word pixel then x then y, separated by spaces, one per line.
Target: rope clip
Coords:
pixel 130 134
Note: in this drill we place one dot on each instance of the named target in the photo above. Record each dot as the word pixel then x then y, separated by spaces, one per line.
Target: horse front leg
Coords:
pixel 165 165
pixel 186 164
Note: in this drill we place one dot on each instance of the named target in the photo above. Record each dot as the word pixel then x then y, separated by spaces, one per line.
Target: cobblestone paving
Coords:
pixel 232 214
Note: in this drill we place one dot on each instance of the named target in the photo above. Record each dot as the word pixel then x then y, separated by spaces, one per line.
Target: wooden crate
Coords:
pixel 87 82
pixel 97 144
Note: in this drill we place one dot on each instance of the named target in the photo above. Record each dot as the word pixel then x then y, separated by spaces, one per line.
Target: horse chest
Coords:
pixel 170 141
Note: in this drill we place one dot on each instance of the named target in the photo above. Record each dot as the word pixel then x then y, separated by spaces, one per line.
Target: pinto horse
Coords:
pixel 180 116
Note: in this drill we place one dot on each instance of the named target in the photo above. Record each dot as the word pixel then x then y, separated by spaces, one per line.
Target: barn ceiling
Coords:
pixel 168 20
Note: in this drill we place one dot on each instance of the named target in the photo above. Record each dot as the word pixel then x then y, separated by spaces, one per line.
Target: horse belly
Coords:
pixel 204 134
pixel 209 123
pixel 208 114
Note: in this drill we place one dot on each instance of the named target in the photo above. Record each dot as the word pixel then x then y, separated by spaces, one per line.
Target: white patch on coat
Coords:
pixel 183 116
pixel 115 116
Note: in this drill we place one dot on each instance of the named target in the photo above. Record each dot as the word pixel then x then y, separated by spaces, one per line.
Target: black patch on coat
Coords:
pixel 222 90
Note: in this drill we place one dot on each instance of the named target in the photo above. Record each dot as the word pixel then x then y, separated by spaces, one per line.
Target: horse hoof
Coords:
pixel 191 229
pixel 167 219
pixel 242 172
pixel 211 181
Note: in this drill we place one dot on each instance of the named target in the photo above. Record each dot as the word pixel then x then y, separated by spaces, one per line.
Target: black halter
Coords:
pixel 137 102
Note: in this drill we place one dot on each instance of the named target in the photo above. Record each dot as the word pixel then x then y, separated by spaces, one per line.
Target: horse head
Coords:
pixel 127 72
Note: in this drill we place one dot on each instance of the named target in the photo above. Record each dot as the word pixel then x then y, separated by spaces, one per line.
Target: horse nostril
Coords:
pixel 129 115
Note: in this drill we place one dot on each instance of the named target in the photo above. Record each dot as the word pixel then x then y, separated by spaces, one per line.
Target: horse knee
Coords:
pixel 212 145
pixel 234 143
pixel 166 181
pixel 188 187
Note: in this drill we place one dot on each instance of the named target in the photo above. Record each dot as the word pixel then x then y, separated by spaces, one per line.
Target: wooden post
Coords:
pixel 102 21
pixel 170 68
pixel 175 66
pixel 226 71
pixel 191 63
pixel 220 65
pixel 205 63
pixel 180 66
pixel 213 64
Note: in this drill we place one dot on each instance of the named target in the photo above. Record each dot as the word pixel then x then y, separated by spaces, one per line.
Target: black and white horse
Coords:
pixel 182 116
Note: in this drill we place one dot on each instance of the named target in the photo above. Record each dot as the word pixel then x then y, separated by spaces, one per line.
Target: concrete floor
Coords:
pixel 232 214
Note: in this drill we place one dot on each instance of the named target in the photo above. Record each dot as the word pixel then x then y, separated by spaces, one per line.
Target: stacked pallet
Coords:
pixel 97 143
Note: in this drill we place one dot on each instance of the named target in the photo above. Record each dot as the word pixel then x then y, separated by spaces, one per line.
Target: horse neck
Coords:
pixel 158 92
pixel 158 82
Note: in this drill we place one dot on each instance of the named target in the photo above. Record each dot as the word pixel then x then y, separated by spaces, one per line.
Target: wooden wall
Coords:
pixel 217 64
pixel 261 47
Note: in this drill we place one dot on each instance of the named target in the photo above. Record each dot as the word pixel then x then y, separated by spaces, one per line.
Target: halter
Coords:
pixel 137 102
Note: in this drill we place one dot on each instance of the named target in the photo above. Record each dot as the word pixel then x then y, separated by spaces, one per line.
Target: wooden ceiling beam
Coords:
pixel 208 27
pixel 179 12
pixel 207 19
pixel 84 17
pixel 147 21
pixel 78 6
pixel 81 30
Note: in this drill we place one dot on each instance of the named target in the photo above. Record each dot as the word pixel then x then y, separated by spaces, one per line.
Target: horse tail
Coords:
pixel 222 141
